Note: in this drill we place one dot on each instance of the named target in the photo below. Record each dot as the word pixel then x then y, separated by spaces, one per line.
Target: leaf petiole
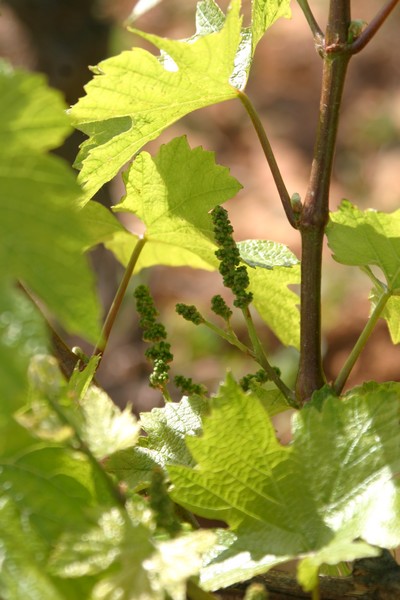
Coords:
pixel 361 342
pixel 269 155
pixel 229 336
pixel 119 296
pixel 315 28
pixel 262 360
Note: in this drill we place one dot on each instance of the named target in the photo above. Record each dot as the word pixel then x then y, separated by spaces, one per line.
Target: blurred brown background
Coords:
pixel 62 37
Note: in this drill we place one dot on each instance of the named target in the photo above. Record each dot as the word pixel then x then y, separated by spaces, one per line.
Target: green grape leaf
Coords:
pixel 53 486
pixel 264 14
pixel 273 496
pixel 113 537
pixel 58 411
pixel 276 303
pixel 209 18
pixel 81 380
pixel 391 313
pixel 100 224
pixel 140 568
pixel 42 238
pixel 164 444
pixel 366 238
pixel 272 399
pixel 266 254
pixel 22 334
pixel 187 551
pixel 172 194
pixel 46 391
pixel 22 574
pixel 106 428
pixel 135 96
pixel 370 238
pixel 33 114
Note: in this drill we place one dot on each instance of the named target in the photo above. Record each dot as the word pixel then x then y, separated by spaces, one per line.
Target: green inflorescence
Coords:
pixel 235 276
pixel 186 385
pixel 220 307
pixel 260 376
pixel 190 313
pixel 153 331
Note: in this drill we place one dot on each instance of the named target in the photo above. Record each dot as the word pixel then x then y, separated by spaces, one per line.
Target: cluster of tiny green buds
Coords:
pixel 153 331
pixel 234 276
pixel 260 377
pixel 190 313
pixel 220 307
pixel 186 386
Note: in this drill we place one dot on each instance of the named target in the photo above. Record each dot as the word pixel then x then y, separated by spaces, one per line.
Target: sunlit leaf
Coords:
pixel 187 551
pixel 120 551
pixel 370 239
pixel 276 303
pixel 106 428
pixel 134 96
pixel 264 14
pixel 166 430
pixel 266 254
pixel 274 497
pixel 174 203
pixel 364 238
pixel 58 411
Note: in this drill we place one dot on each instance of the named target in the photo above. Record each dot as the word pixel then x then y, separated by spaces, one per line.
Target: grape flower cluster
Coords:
pixel 234 275
pixel 154 332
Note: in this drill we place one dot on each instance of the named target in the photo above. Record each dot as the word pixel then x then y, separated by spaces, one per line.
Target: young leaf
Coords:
pixel 135 96
pixel 42 238
pixel 58 412
pixel 370 238
pixel 172 194
pixel 266 254
pixel 264 14
pixel 166 430
pixel 274 497
pixel 364 238
pixel 106 428
pixel 276 303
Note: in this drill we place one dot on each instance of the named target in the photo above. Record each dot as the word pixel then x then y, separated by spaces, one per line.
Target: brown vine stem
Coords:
pixel 315 211
pixel 376 23
pixel 119 296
